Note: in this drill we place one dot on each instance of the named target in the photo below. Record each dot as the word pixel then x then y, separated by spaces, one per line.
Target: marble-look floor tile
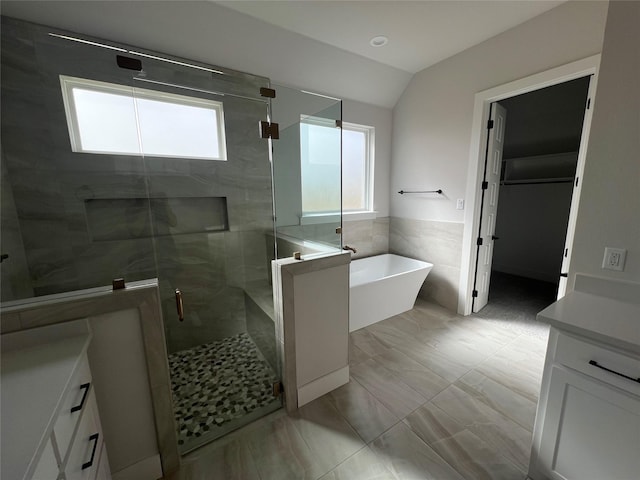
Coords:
pixel 432 424
pixel 364 465
pixel 356 354
pixel 232 461
pixel 476 460
pixel 440 362
pixel 367 342
pixel 280 452
pixel 517 368
pixel 408 457
pixel 414 374
pixel 362 410
pixel 394 394
pixel 509 403
pixel 506 436
pixel 329 436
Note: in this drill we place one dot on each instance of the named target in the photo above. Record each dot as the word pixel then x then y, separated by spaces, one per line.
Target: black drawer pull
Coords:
pixel 595 364
pixel 85 387
pixel 93 437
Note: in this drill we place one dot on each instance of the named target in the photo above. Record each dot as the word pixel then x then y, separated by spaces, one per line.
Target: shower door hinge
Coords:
pixel 338 123
pixel 339 230
pixel 474 294
pixel 588 103
pixel 269 130
pixel 489 124
pixel 479 241
pixel 267 92
pixel 485 185
pixel 278 389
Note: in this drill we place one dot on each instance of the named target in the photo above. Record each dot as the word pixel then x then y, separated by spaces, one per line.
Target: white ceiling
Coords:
pixel 421 33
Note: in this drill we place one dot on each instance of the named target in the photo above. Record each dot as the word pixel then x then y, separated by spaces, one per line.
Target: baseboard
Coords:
pixel 147 469
pixel 322 385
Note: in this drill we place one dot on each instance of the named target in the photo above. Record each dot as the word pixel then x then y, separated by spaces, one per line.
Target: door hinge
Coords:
pixel 338 123
pixel 485 185
pixel 267 92
pixel 566 252
pixel 577 181
pixel 474 294
pixel 588 103
pixel 479 241
pixel 565 275
pixel 269 130
pixel 278 389
pixel 490 124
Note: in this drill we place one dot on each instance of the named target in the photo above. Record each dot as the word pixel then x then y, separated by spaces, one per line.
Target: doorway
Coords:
pixel 526 229
pixel 478 242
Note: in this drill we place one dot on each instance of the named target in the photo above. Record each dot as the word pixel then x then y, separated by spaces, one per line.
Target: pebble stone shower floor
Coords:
pixel 216 383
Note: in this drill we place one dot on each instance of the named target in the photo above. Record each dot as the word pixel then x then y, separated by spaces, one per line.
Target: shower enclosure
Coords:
pixel 119 162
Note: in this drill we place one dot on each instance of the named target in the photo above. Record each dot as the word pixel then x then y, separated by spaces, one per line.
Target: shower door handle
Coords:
pixel 179 305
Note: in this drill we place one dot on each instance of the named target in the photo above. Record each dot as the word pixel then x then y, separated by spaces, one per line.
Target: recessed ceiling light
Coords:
pixel 379 41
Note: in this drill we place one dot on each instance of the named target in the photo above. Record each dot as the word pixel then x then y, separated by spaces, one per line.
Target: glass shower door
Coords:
pixel 208 174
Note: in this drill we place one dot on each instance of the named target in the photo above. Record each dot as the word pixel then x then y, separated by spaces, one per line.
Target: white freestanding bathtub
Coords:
pixel 383 286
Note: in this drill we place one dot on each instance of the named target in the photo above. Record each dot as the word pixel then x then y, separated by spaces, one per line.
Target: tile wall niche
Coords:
pixel 439 243
pixel 368 237
pixel 51 187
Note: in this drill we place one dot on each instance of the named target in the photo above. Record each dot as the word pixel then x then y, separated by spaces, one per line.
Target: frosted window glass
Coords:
pixel 106 122
pixel 320 168
pixel 116 119
pixel 354 170
pixel 171 129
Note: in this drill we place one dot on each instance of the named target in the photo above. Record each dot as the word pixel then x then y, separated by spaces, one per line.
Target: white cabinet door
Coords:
pixel 590 431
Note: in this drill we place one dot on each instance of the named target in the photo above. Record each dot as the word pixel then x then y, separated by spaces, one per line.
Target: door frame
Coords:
pixel 581 68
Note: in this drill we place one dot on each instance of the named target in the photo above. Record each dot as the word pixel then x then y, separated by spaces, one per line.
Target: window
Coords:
pixel 320 146
pixel 357 168
pixel 108 118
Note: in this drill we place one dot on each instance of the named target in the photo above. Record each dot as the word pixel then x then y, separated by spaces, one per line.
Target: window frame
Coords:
pixel 369 132
pixel 68 83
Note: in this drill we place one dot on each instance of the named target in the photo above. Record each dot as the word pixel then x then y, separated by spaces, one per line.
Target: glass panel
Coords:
pixel 307 172
pixel 212 222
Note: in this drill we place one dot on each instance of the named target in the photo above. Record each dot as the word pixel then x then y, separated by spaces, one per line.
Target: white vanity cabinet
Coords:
pixel 588 420
pixel 50 423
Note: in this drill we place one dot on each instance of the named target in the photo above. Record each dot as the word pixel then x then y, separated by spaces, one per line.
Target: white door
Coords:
pixel 577 185
pixel 491 187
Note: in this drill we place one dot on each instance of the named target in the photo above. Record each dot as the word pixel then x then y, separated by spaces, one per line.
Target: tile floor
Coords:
pixel 216 385
pixel 432 395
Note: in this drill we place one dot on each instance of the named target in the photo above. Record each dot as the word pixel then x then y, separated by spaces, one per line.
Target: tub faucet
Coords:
pixel 347 247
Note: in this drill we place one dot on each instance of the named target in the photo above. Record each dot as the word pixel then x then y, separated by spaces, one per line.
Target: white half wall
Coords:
pixel 608 215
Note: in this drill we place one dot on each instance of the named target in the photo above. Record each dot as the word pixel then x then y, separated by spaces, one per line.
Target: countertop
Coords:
pixel 613 321
pixel 36 372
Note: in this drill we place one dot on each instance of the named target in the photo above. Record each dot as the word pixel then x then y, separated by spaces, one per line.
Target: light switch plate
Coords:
pixel 614 258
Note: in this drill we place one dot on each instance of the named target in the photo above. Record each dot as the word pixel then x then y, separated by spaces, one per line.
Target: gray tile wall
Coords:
pixel 439 243
pixel 51 186
pixel 368 237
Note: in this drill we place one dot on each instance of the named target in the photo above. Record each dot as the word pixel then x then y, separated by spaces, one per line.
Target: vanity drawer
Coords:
pixel 606 365
pixel 87 445
pixel 72 405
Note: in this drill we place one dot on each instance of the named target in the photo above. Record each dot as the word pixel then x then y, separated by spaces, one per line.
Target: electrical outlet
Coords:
pixel 460 204
pixel 614 258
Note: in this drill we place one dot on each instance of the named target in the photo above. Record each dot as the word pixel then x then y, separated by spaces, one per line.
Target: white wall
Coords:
pixel 532 225
pixel 609 206
pixel 432 120
pixel 210 33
